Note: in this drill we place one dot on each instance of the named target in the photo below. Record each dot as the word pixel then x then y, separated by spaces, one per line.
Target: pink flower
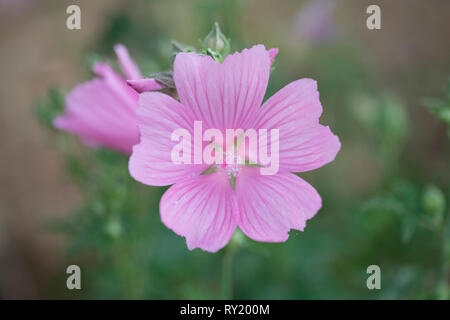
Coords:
pixel 205 208
pixel 102 111
pixel 315 22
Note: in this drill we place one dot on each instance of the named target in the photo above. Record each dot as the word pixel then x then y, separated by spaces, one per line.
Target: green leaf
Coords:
pixel 178 47
pixel 440 108
pixel 49 107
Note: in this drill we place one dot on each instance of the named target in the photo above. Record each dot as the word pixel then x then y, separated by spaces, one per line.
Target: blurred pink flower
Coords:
pixel 207 208
pixel 144 85
pixel 102 111
pixel 315 22
pixel 14 7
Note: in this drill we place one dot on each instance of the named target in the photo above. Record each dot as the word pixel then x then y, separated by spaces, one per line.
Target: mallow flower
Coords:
pixel 206 203
pixel 102 111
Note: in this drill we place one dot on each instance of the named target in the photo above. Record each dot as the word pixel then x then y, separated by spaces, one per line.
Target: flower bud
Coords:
pixel 216 42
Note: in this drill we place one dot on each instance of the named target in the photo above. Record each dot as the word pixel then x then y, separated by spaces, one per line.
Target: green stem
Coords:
pixel 227 274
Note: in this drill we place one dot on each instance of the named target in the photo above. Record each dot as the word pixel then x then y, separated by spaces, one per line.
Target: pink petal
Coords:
pixel 158 116
pixel 98 114
pixel 272 54
pixel 145 85
pixel 128 66
pixel 117 84
pixel 223 95
pixel 304 143
pixel 269 206
pixel 202 209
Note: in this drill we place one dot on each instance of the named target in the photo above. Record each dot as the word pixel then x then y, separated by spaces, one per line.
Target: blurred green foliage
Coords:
pixel 441 107
pixel 381 213
pixel 49 107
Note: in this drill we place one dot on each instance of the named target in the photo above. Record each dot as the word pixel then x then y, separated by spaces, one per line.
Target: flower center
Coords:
pixel 234 165
pixel 232 169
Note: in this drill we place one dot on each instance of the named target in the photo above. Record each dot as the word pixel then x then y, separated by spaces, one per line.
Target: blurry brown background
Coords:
pixel 411 53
